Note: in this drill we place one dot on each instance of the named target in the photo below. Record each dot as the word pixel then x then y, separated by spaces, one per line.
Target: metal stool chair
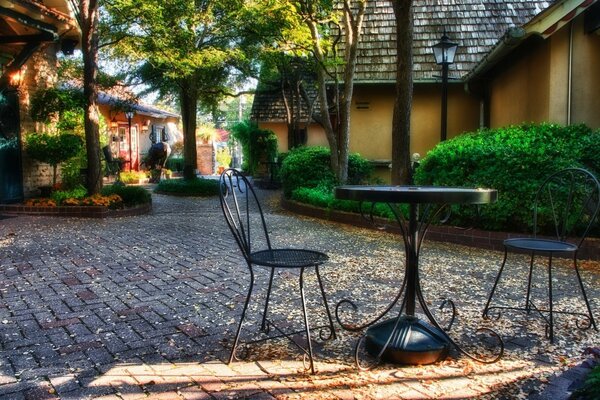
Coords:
pixel 567 202
pixel 246 221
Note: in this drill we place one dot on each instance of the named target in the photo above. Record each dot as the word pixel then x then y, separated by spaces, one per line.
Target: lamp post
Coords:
pixel 444 52
pixel 129 115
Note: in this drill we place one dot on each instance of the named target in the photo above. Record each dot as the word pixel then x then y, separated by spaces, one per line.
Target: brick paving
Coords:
pixel 145 307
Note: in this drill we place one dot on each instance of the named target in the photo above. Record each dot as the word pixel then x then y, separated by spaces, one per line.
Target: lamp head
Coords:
pixel 444 51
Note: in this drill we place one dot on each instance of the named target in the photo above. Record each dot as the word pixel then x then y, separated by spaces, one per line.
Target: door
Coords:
pixel 11 170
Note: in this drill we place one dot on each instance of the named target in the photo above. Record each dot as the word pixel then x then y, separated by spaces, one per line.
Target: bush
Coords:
pixel 78 192
pixel 175 164
pixel 324 197
pixel 514 160
pixel 309 167
pixel 257 144
pixel 189 187
pixel 131 195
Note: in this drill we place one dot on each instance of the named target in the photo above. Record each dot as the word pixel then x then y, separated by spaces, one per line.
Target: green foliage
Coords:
pixel 189 187
pixel 257 144
pixel 131 195
pixel 47 103
pixel 591 387
pixel 309 167
pixel 53 149
pixel 324 197
pixel 78 192
pixel 514 160
pixel 175 164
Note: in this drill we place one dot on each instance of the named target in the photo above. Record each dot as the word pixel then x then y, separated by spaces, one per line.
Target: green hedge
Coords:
pixel 188 187
pixel 514 160
pixel 131 195
pixel 174 164
pixel 309 167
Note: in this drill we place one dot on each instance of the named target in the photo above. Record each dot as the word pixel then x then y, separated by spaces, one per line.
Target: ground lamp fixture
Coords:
pixel 444 52
pixel 129 115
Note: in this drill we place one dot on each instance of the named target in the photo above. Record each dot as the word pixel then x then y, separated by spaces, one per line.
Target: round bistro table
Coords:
pixel 406 338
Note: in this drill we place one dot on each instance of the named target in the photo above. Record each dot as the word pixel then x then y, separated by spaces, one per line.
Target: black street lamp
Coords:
pixel 444 52
pixel 129 115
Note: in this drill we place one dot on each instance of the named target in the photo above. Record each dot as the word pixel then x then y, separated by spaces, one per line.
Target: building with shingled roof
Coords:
pixel 517 61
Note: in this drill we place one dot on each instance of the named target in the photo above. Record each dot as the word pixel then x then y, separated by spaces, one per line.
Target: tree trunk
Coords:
pixel 89 48
pixel 353 27
pixel 189 105
pixel 401 168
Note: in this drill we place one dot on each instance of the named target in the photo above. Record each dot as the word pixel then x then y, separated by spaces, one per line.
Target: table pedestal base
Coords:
pixel 413 341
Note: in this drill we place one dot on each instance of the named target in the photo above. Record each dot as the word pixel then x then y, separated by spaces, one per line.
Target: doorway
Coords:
pixel 11 169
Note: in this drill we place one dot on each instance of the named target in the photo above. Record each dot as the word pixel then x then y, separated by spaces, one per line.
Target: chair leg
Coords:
pixel 587 303
pixel 332 336
pixel 489 300
pixel 306 326
pixel 239 328
pixel 263 325
pixel 550 300
pixel 527 304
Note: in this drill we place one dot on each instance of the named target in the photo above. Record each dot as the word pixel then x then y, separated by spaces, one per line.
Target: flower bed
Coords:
pixel 96 206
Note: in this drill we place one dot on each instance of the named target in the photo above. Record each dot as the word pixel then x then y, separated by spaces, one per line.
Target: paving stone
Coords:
pixel 147 307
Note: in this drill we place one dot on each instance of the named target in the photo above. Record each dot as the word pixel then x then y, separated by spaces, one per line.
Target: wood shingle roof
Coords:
pixel 476 25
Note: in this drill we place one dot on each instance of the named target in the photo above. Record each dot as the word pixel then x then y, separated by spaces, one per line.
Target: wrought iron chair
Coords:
pixel 246 221
pixel 567 202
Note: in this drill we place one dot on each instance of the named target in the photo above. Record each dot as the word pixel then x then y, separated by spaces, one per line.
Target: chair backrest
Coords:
pixel 567 204
pixel 243 212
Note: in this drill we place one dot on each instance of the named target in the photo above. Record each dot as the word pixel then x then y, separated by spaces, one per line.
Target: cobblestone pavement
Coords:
pixel 145 307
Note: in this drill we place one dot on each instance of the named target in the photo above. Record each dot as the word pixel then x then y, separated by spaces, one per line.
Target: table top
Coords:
pixel 416 194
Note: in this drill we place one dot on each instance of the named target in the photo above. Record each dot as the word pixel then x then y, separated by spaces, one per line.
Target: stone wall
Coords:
pixel 205 158
pixel 40 73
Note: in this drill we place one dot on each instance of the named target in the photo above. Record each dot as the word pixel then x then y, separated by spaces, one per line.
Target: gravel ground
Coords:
pixel 83 301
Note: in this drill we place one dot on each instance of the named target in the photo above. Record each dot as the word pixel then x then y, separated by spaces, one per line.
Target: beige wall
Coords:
pixel 585 107
pixel 520 93
pixel 371 129
pixel 316 135
pixel 533 86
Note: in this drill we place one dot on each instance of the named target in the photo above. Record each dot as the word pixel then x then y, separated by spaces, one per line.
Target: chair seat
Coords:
pixel 546 245
pixel 288 258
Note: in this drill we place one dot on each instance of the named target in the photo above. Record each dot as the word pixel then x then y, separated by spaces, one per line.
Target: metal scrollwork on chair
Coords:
pixel 244 216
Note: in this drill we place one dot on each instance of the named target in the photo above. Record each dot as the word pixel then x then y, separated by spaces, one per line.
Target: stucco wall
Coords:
pixel 371 129
pixel 533 84
pixel 585 107
pixel 315 135
pixel 520 92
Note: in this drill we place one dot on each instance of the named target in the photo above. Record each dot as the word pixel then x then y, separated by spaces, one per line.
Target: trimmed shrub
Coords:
pixel 309 167
pixel 131 195
pixel 188 187
pixel 515 160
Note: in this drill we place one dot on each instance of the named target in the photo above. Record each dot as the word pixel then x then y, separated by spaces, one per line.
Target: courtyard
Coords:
pixel 147 306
